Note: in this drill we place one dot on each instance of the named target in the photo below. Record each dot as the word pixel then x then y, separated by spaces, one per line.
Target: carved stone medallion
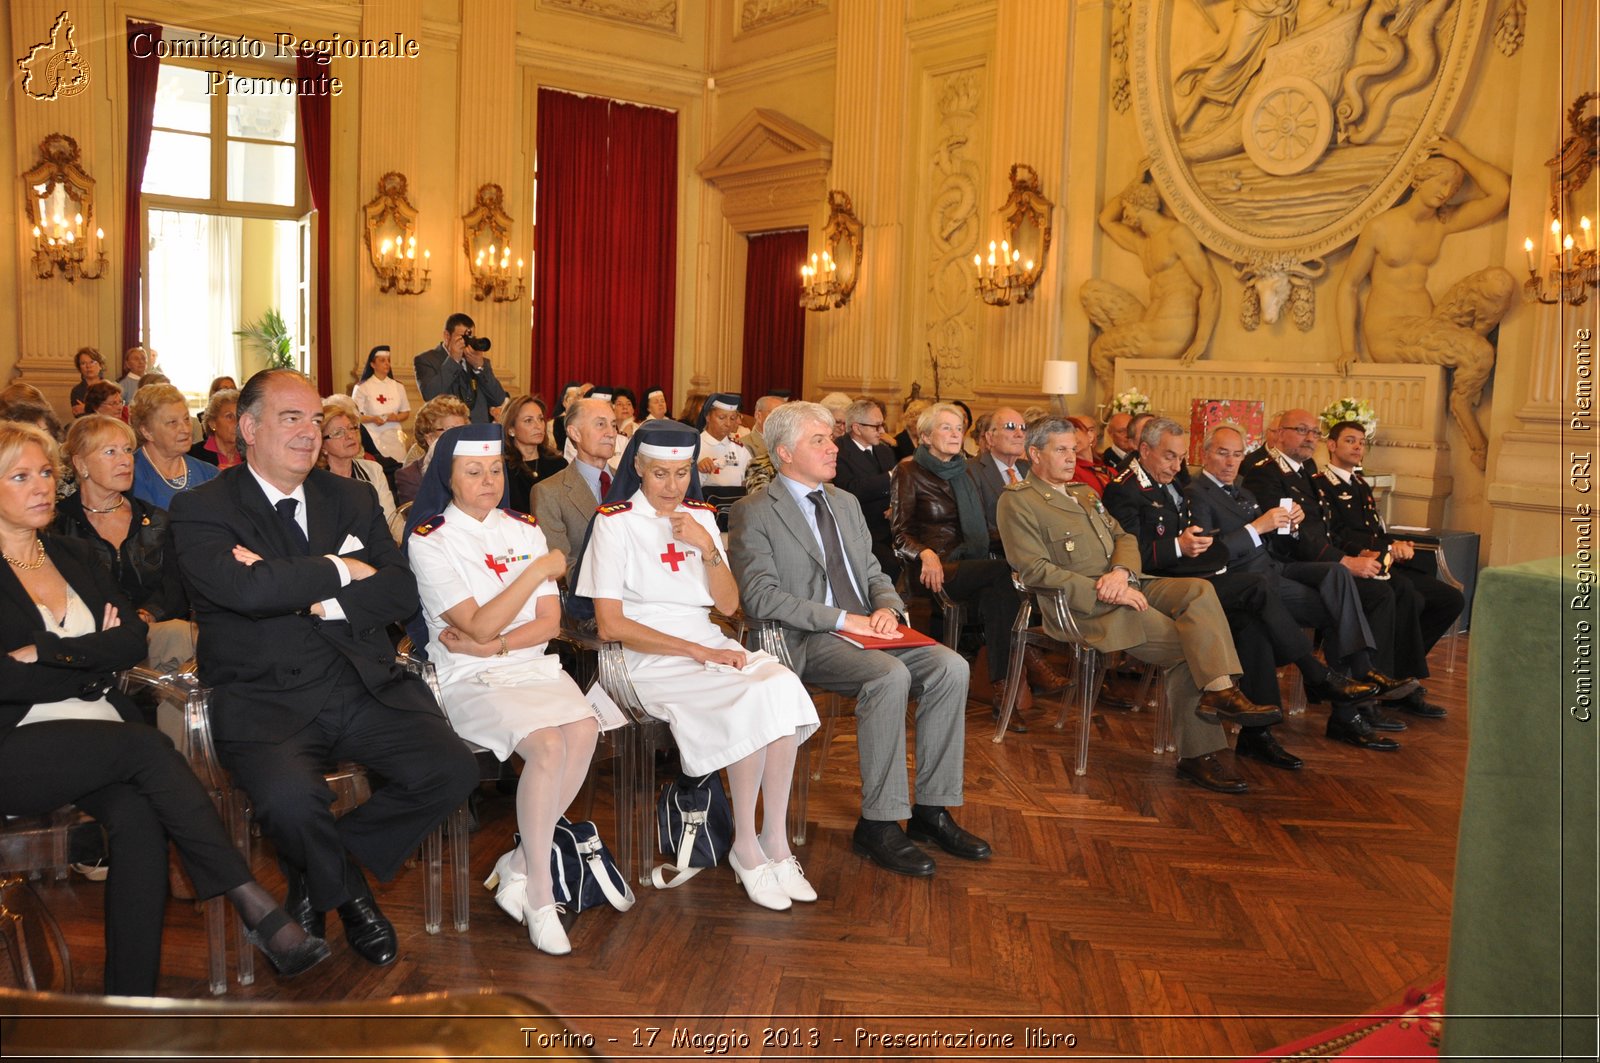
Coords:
pixel 1283 126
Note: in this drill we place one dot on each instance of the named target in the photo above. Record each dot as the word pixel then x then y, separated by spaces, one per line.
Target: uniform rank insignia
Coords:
pixel 1347 497
pixel 1161 529
pixel 695 503
pixel 428 526
pixel 1070 543
pixel 611 509
pixel 526 518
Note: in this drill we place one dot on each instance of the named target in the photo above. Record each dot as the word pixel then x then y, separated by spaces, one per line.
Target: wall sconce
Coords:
pixel 58 206
pixel 830 278
pixel 391 239
pixel 1569 266
pixel 1014 266
pixel 486 238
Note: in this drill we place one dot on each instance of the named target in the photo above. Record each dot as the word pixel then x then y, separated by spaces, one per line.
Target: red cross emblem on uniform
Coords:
pixel 495 566
pixel 672 556
pixel 382 399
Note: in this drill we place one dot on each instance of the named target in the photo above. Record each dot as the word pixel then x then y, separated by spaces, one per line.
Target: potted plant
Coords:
pixel 270 336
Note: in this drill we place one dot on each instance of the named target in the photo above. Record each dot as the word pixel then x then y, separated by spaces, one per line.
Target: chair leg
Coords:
pixel 1166 741
pixel 1090 677
pixel 624 796
pixel 433 880
pixel 799 791
pixel 238 813
pixel 21 943
pixel 1016 674
pixel 829 723
pixel 1293 685
pixel 216 916
pixel 460 867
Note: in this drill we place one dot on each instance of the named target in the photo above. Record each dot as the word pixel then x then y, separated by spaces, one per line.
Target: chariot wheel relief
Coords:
pixel 1288 124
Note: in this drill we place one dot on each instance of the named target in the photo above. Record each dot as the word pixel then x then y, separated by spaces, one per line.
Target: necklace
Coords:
pixel 178 482
pixel 87 508
pixel 37 562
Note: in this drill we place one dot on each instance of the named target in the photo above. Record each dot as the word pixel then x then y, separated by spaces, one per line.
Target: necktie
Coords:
pixel 1011 474
pixel 605 484
pixel 839 581
pixel 286 508
pixel 1231 491
pixel 1177 501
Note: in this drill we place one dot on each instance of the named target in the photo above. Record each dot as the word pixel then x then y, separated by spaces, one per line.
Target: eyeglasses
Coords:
pixel 337 433
pixel 1310 431
pixel 875 427
pixel 1011 426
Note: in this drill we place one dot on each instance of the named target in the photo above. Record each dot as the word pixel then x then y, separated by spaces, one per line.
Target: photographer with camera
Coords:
pixel 458 367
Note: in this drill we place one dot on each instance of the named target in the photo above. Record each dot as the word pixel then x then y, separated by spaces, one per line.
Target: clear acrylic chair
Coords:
pixel 1089 666
pixel 830 707
pixel 1446 576
pixel 34 847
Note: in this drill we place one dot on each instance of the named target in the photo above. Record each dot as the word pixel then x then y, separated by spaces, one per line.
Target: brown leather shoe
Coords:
pixel 1208 771
pixel 1231 706
pixel 1042 676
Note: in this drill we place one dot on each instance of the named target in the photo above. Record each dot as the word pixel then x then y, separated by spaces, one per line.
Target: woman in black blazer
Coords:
pixel 67 736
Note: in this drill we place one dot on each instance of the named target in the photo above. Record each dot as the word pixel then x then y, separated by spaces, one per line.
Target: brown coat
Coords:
pixel 922 512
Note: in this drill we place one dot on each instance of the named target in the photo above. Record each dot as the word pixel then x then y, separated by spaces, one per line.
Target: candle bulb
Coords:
pixel 1587 239
pixel 1527 249
pixel 519 269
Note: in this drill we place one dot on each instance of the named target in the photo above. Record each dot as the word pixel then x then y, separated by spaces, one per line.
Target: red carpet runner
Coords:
pixel 1409 1031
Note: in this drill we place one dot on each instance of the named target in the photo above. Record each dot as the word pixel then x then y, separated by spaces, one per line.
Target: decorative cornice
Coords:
pixel 800 61
pixel 660 15
pixel 958 22
pixel 576 69
pixel 757 15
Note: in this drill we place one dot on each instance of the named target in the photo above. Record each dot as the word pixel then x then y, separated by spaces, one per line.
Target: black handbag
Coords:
pixel 694 827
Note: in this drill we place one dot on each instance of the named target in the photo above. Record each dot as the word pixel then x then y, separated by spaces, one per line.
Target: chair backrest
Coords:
pixel 1053 606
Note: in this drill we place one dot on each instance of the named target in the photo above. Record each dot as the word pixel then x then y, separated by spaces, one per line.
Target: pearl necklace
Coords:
pixel 37 562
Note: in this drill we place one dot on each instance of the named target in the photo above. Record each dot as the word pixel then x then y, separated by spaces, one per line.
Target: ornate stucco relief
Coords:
pixel 952 220
pixel 656 14
pixel 757 14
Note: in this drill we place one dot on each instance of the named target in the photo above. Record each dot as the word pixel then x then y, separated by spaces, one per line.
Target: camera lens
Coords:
pixel 478 343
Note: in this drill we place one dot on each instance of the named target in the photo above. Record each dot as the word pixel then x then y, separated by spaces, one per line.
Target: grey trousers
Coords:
pixel 883 683
pixel 1186 633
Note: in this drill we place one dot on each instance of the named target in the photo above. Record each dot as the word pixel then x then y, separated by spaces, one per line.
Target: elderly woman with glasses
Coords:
pixel 940 531
pixel 341 454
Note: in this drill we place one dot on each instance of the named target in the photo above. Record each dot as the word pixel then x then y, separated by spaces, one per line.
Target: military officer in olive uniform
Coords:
pixel 1058 535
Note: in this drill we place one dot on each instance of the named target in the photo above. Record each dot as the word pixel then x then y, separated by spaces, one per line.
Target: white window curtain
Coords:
pixel 194 296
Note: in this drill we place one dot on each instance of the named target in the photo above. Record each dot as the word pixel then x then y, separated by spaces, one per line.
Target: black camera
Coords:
pixel 478 343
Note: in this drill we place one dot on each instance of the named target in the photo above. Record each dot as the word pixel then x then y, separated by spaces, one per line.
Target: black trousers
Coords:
pixel 986 583
pixel 129 778
pixel 426 772
pixel 1265 635
pixel 1425 606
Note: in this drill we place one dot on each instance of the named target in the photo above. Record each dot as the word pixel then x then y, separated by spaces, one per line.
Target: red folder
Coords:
pixel 909 638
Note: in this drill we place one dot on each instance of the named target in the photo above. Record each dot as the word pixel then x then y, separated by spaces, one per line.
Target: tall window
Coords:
pixel 223 198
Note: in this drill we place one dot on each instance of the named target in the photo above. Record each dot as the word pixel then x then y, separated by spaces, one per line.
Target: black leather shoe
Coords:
pixel 1017 724
pixel 1356 731
pixel 929 824
pixel 298 903
pixel 369 931
pixel 885 844
pixel 1339 689
pixel 1208 771
pixel 1265 747
pixel 1416 703
pixel 1390 688
pixel 1231 706
pixel 1381 720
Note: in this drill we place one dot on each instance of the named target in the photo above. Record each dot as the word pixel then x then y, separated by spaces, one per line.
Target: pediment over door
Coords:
pixel 771 170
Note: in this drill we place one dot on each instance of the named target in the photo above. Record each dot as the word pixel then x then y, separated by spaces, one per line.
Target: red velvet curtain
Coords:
pixel 774 321
pixel 605 265
pixel 316 121
pixel 142 75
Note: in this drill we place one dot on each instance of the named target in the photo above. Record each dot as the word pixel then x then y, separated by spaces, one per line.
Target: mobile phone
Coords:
pixel 1286 504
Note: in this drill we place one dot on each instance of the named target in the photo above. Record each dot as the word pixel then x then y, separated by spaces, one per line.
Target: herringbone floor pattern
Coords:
pixel 1138 913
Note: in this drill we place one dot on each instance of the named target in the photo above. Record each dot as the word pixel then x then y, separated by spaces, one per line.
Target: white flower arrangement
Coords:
pixel 1348 409
pixel 1131 402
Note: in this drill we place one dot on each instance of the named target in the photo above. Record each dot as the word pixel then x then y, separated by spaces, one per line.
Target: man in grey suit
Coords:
pixel 427 365
pixel 565 502
pixel 1002 462
pixel 802 554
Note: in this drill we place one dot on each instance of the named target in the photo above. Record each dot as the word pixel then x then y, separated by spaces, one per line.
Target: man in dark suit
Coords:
pixel 294 578
pixel 1320 595
pixel 1425 606
pixel 1145 500
pixel 565 503
pixel 429 364
pixel 1001 461
pixel 800 551
pixel 1287 474
pixel 864 464
pixel 1119 451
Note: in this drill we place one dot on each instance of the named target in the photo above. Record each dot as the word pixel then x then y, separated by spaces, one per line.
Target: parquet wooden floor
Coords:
pixel 1144 916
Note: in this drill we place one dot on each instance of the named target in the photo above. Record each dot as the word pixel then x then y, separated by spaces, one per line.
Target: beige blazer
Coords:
pixel 564 505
